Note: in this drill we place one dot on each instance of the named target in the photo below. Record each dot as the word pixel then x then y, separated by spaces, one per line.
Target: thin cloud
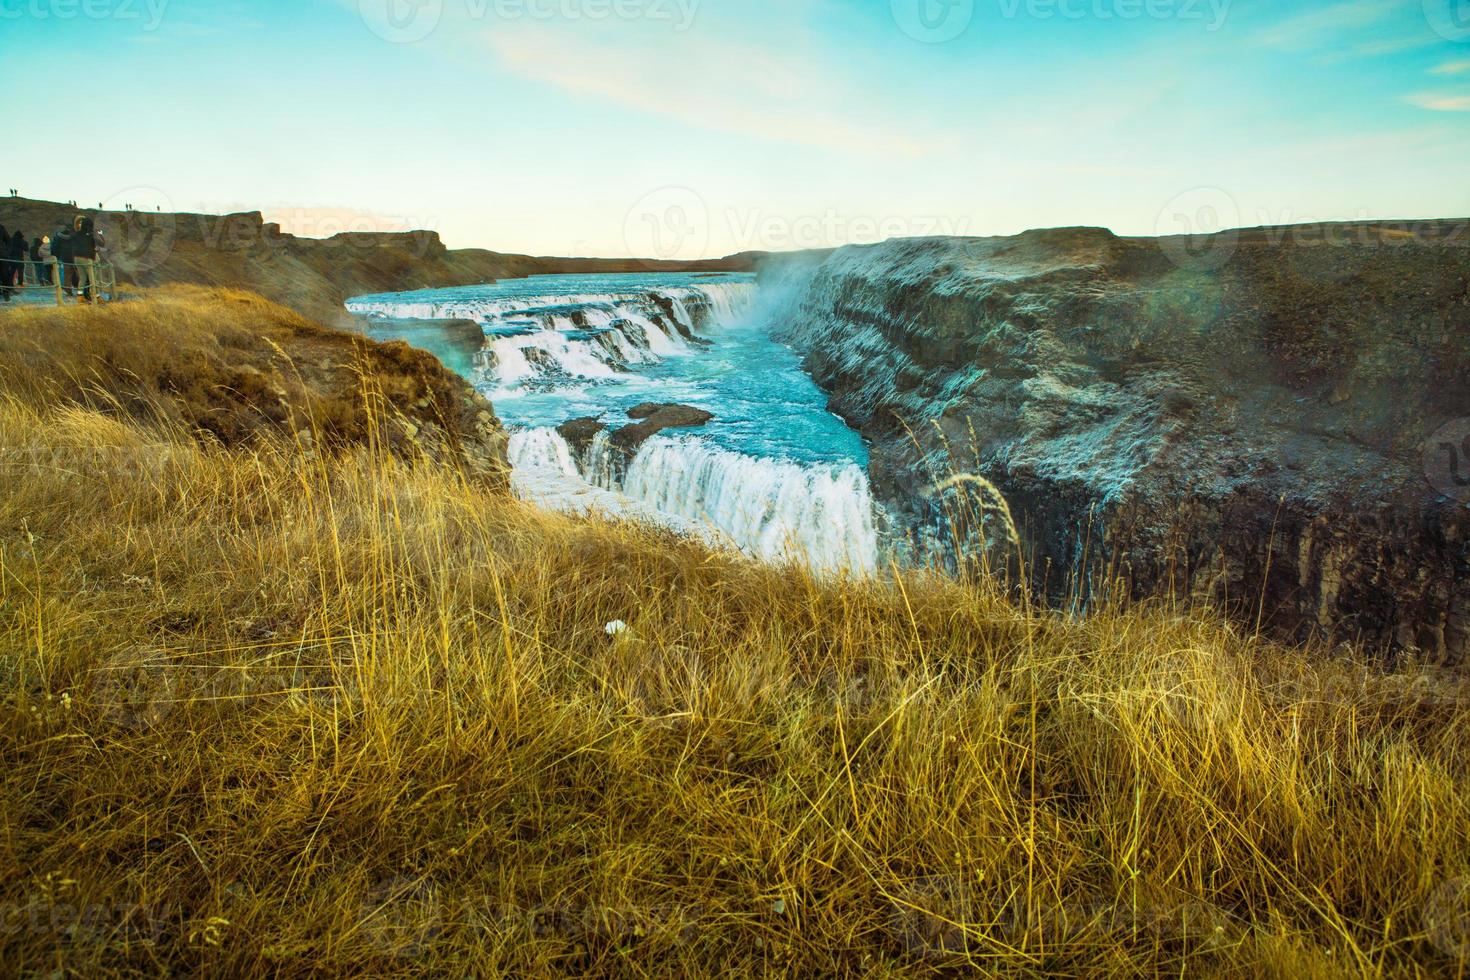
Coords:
pixel 1439 101
pixel 1309 29
pixel 1452 68
pixel 1373 49
pixel 726 86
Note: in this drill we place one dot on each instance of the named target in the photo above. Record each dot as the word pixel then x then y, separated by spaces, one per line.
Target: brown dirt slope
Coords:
pixel 233 368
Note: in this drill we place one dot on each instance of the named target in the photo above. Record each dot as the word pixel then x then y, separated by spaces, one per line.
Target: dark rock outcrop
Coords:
pixel 650 418
pixel 579 433
pixel 654 418
pixel 1244 417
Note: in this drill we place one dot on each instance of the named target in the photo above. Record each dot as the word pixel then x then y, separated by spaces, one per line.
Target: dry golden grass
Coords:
pixel 232 367
pixel 275 712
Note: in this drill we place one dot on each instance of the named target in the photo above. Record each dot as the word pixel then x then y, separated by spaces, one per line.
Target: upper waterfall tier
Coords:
pixel 549 330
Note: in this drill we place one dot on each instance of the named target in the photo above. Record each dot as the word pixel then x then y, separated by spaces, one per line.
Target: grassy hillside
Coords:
pixel 234 369
pixel 316 709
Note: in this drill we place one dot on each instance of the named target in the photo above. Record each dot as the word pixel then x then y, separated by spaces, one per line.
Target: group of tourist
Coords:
pixel 68 258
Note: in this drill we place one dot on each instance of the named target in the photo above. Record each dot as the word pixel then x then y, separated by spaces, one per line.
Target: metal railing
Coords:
pixel 61 278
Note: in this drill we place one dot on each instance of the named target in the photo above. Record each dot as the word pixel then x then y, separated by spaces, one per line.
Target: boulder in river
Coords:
pixel 654 418
pixel 579 433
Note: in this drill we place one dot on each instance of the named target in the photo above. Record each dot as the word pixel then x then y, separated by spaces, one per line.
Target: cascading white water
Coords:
pixel 725 300
pixel 542 452
pixel 773 509
pixel 544 472
pixel 593 336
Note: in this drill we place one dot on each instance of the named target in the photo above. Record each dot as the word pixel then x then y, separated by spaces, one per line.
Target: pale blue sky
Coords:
pixel 693 127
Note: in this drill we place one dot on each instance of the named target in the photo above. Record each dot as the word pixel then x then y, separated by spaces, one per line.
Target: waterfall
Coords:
pixel 771 508
pixel 541 452
pixel 775 476
pixel 538 339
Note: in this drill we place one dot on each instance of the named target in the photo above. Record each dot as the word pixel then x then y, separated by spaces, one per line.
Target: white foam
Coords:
pixel 772 509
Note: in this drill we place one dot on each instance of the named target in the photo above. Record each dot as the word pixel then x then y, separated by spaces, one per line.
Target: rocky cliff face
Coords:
pixel 1246 418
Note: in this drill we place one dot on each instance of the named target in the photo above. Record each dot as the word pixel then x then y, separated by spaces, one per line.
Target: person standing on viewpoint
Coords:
pixel 48 262
pixel 61 250
pixel 84 254
pixel 19 253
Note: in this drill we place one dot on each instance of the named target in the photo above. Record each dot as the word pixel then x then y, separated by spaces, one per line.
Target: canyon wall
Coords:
pixel 1258 418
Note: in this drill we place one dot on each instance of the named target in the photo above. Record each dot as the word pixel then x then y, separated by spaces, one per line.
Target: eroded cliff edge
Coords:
pixel 1245 418
pixel 313 276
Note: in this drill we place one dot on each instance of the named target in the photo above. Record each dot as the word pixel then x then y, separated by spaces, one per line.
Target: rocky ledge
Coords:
pixel 650 418
pixel 1246 417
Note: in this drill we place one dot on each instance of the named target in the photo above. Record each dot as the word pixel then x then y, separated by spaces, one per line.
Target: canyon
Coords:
pixel 1251 419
